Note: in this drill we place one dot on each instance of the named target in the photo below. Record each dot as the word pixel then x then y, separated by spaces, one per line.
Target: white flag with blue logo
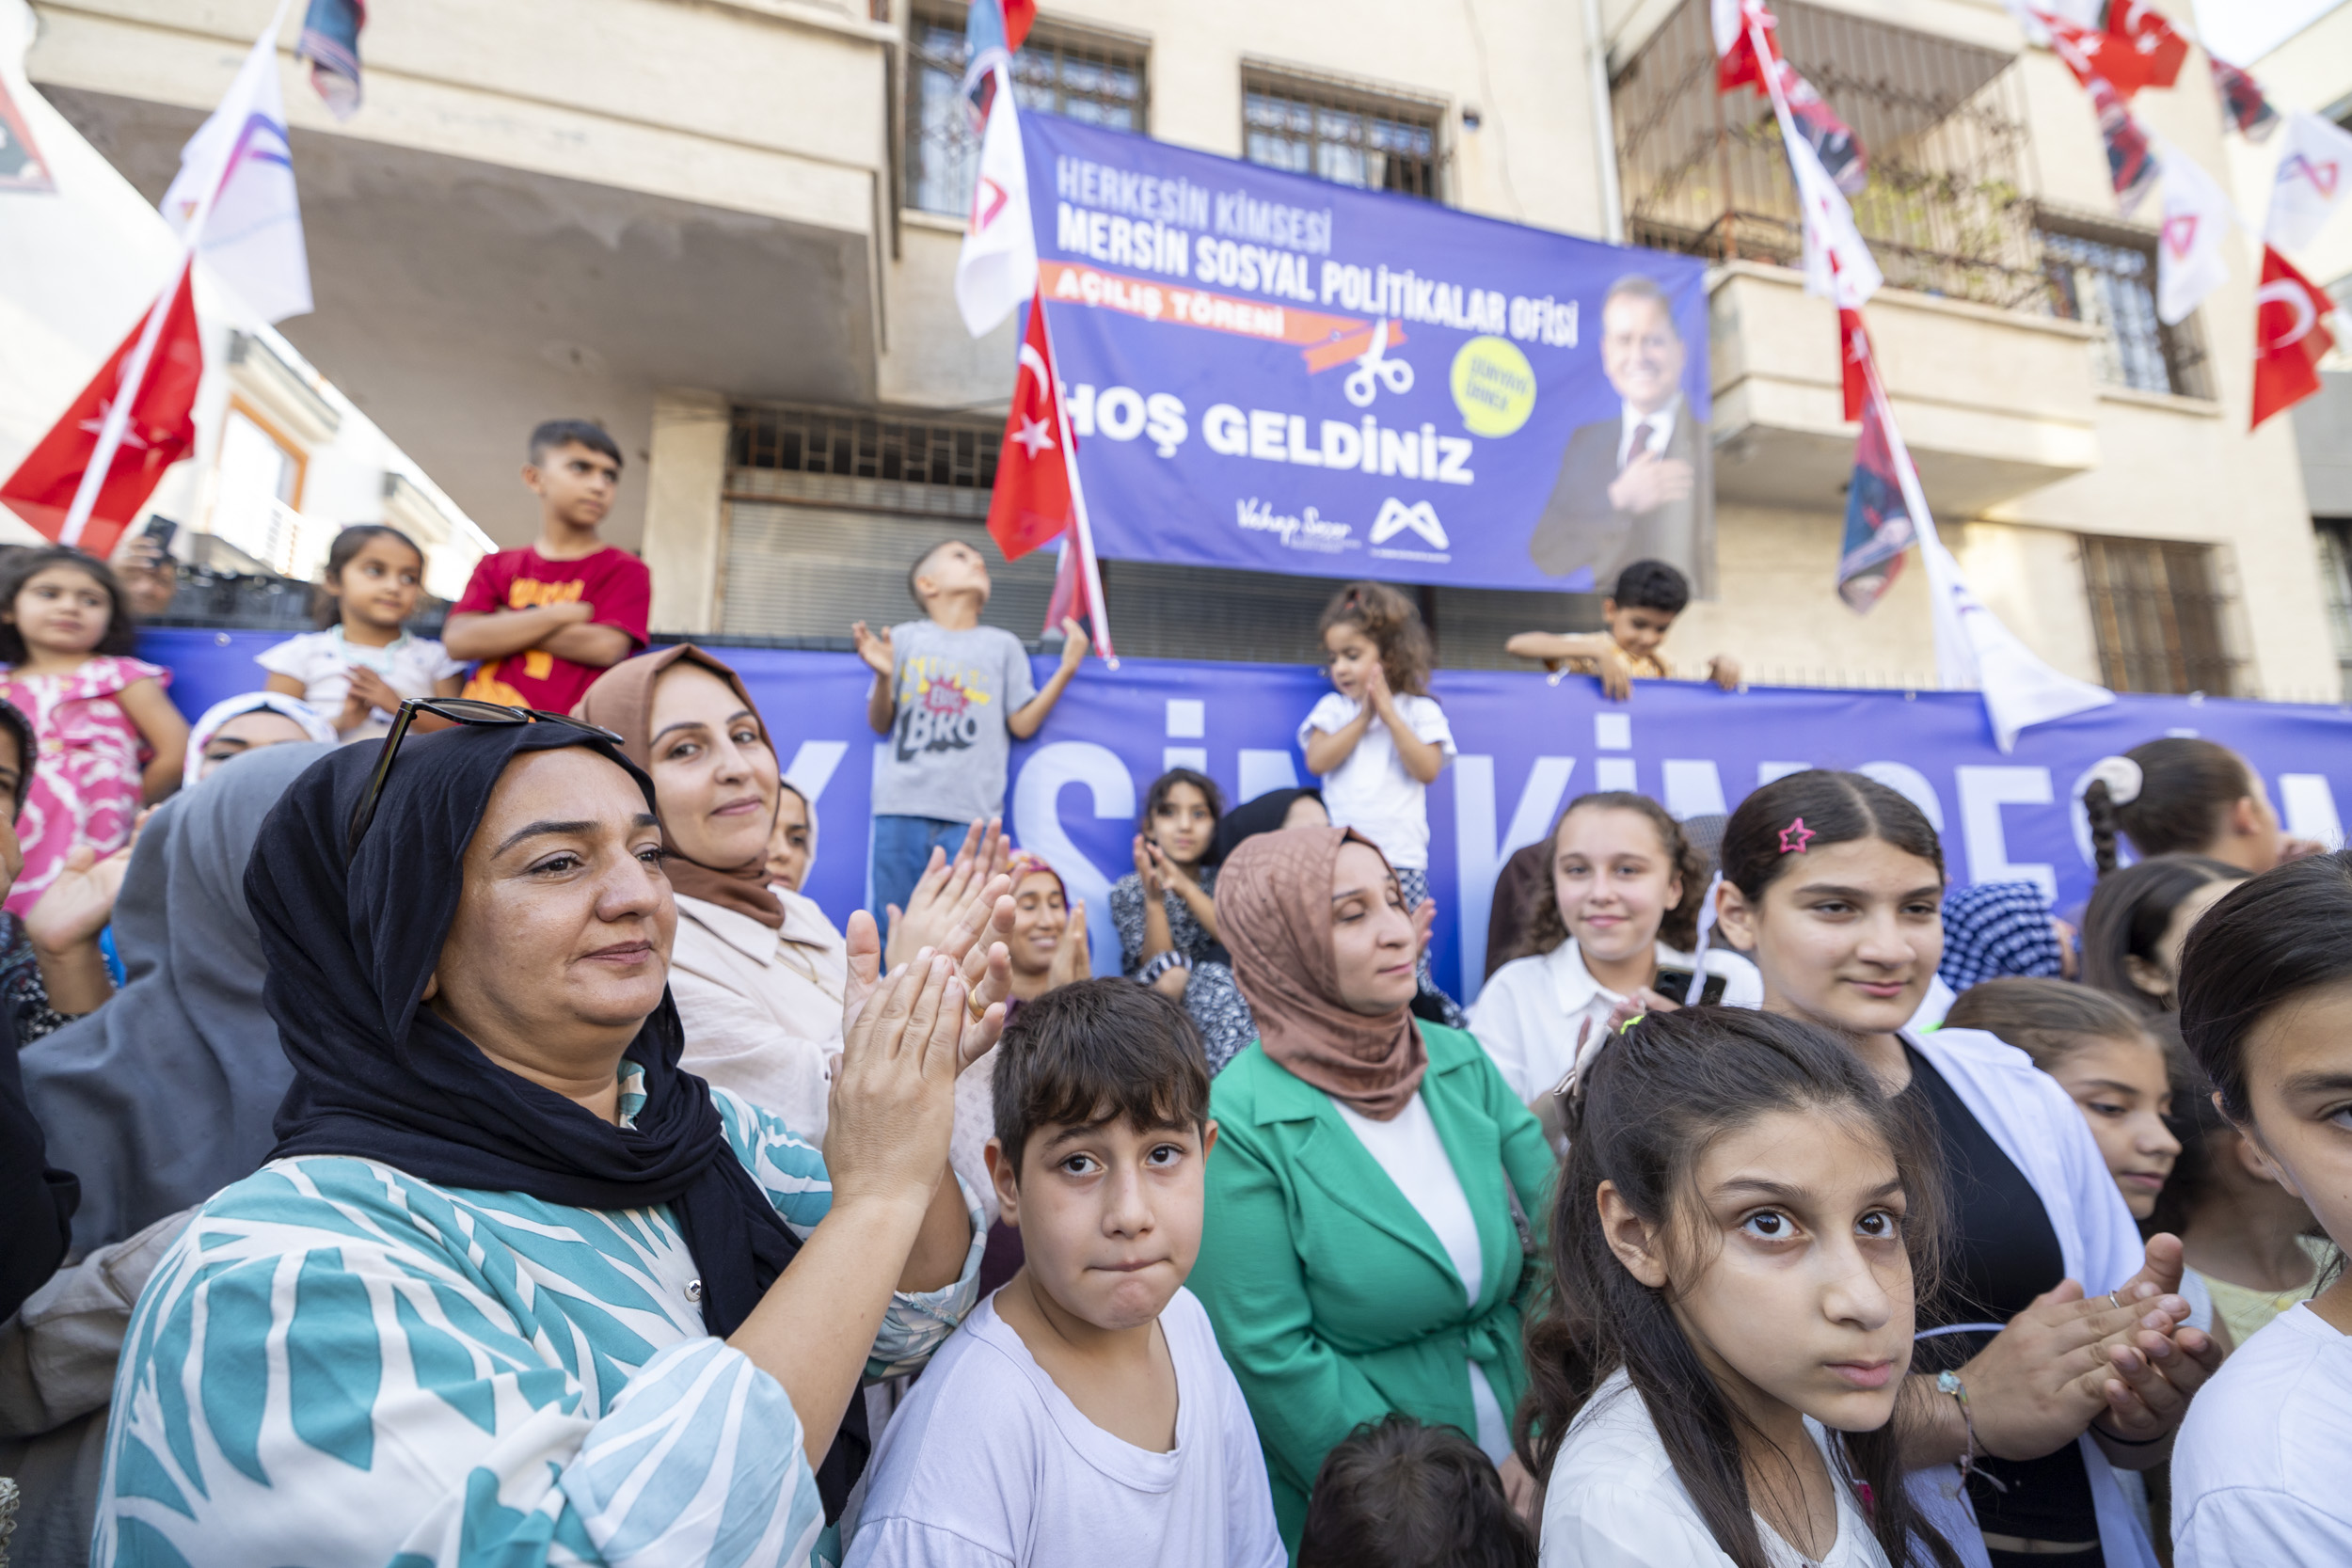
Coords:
pixel 252 237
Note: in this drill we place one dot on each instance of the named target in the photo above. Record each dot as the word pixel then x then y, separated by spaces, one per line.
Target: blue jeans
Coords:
pixel 903 846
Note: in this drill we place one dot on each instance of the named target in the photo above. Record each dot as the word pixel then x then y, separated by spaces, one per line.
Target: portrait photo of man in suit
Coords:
pixel 1639 485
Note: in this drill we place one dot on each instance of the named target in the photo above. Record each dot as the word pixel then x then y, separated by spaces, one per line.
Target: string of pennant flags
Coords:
pixel 2115 49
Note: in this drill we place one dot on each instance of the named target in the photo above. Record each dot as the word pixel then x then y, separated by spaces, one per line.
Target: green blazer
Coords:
pixel 1332 1299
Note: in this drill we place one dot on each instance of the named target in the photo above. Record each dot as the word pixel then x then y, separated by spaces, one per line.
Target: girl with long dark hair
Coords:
pixel 1742 1224
pixel 2138 920
pixel 2267 1010
pixel 2181 794
pixel 2053 1351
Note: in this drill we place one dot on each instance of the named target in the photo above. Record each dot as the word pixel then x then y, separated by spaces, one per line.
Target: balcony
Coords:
pixel 1993 403
pixel 1995 393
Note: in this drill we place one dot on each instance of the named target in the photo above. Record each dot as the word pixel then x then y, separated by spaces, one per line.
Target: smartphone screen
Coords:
pixel 1675 984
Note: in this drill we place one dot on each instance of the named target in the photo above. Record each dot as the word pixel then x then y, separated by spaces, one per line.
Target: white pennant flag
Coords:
pixel 996 269
pixel 2198 216
pixel 1837 264
pixel 1973 648
pixel 2315 171
pixel 253 238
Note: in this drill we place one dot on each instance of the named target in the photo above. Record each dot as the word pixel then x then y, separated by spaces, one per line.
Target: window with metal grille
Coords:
pixel 2156 615
pixel 1100 81
pixel 1343 133
pixel 2106 278
pixel 1940 122
pixel 2335 572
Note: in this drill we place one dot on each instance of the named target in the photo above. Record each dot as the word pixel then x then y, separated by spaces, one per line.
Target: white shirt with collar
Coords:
pixel 1531 1010
pixel 762 1007
pixel 1654 429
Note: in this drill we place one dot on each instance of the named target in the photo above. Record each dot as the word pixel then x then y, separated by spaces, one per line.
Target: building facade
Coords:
pixel 728 229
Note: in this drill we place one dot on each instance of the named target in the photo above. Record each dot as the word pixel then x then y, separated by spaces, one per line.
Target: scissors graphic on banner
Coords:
pixel 1371 372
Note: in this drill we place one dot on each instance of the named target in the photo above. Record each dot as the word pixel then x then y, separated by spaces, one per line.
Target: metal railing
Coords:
pixel 1946 209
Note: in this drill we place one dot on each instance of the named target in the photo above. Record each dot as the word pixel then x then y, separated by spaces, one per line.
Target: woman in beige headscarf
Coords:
pixel 1366 1235
pixel 758 992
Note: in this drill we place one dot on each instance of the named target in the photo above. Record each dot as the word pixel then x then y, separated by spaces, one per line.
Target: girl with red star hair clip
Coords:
pixel 2055 1354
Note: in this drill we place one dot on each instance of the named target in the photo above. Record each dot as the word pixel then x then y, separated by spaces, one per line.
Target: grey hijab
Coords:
pixel 165 1095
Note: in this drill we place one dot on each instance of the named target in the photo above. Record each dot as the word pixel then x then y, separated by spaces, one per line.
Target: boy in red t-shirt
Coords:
pixel 547 620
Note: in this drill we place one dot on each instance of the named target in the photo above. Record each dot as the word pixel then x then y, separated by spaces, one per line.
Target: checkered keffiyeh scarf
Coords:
pixel 1994 929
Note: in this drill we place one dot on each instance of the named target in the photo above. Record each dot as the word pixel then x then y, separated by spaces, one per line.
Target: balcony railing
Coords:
pixel 1946 209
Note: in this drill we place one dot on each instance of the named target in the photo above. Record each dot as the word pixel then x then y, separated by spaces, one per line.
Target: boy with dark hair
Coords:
pixel 953 695
pixel 1650 594
pixel 1400 1494
pixel 1084 1409
pixel 545 621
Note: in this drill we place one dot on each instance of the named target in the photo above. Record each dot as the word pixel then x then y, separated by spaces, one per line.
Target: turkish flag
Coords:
pixel 1735 23
pixel 1030 505
pixel 2143 28
pixel 1853 350
pixel 2090 52
pixel 2291 336
pixel 160 433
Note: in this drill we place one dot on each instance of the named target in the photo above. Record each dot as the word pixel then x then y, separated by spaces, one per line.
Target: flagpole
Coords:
pixel 134 383
pixel 1087 565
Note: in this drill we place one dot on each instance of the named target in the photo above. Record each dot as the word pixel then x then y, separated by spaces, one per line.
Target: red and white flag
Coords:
pixel 2242 101
pixel 2093 51
pixel 2143 28
pixel 1853 354
pixel 159 430
pixel 2197 219
pixel 2313 177
pixel 996 269
pixel 1739 23
pixel 2291 336
pixel 1031 504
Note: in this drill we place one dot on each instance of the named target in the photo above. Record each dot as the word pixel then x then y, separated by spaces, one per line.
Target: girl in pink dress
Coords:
pixel 109 740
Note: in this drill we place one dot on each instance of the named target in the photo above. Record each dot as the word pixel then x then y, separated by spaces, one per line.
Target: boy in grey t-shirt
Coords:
pixel 952 695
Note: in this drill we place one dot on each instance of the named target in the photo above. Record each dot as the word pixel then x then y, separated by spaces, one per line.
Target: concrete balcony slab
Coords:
pixel 1994 404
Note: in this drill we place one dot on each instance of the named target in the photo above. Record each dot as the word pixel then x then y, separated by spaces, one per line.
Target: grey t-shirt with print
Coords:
pixel 947 747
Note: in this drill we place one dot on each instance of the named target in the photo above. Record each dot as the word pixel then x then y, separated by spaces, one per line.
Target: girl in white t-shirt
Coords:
pixel 363 663
pixel 1713 1378
pixel 1379 738
pixel 1618 910
pixel 2267 1010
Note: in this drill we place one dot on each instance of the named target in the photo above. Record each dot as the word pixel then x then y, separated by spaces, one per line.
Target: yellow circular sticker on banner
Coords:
pixel 1494 387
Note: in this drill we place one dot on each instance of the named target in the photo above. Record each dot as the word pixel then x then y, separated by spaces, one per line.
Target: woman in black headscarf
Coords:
pixel 514 1285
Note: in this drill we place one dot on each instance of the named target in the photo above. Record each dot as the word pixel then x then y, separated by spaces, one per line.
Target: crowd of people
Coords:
pixel 474 1145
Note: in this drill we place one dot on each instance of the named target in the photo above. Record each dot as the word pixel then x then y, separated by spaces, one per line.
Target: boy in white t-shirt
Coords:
pixel 1082 1413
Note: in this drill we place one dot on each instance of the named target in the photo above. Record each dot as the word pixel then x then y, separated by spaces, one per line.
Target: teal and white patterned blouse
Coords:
pixel 340 1365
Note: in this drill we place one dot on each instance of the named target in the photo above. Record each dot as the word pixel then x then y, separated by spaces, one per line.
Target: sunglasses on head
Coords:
pixel 457 711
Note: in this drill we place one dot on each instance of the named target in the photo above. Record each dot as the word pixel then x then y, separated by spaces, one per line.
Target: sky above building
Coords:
pixel 2241 31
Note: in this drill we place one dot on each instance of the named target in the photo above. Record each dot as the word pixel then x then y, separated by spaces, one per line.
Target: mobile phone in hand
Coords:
pixel 160 530
pixel 1675 984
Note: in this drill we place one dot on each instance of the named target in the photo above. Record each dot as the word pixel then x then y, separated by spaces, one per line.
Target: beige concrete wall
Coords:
pixel 766 108
pixel 1780 615
pixel 684 544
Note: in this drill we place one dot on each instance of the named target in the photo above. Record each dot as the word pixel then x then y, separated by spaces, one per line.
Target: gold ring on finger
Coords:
pixel 977 1008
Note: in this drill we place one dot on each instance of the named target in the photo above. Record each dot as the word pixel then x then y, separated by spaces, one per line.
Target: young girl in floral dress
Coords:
pixel 109 740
